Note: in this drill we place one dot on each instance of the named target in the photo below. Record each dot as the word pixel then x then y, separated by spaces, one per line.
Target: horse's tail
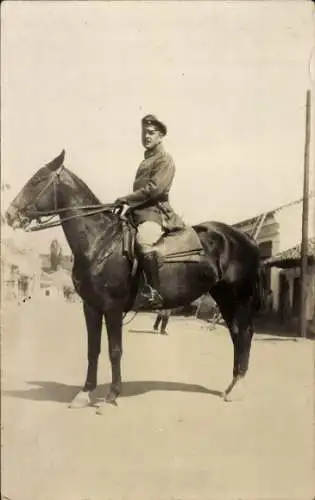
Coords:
pixel 259 288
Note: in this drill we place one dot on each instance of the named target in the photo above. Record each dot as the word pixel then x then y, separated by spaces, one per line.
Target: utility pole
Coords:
pixel 305 215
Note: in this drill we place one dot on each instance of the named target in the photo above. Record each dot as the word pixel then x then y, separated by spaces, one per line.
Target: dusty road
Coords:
pixel 171 437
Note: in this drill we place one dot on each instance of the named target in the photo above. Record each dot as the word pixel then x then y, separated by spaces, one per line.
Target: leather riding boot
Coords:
pixel 151 270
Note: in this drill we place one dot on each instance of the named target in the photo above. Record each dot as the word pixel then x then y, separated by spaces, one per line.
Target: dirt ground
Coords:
pixel 171 437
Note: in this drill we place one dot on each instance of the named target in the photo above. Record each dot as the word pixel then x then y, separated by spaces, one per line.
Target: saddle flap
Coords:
pixel 179 245
pixel 129 236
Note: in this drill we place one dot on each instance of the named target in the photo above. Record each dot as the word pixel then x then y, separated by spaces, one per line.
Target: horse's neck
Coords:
pixel 83 231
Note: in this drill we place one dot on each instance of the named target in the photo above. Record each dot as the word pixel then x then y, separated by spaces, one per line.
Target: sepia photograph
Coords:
pixel 157 250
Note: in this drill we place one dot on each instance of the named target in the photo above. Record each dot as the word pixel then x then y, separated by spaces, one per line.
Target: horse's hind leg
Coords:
pixel 93 319
pixel 241 331
pixel 238 317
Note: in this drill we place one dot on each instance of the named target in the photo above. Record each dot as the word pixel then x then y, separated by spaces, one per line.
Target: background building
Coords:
pixel 20 272
pixel 279 241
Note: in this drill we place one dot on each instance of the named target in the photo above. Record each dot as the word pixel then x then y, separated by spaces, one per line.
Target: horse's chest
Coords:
pixel 100 282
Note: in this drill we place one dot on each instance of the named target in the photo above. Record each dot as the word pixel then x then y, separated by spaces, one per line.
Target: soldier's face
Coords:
pixel 151 136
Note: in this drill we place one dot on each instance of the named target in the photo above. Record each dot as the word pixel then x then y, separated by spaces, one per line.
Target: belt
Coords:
pixel 163 197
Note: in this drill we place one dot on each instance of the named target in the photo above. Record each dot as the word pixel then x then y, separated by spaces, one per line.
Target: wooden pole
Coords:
pixel 305 214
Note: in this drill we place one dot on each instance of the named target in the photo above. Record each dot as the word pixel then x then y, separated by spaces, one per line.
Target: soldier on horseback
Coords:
pixel 152 214
pixel 188 258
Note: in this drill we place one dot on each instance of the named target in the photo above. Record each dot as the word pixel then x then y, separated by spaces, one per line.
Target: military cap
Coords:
pixel 152 120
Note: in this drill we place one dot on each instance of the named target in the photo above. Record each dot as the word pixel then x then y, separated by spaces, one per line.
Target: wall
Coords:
pixel 291 274
pixel 289 221
pixel 284 230
pixel 18 263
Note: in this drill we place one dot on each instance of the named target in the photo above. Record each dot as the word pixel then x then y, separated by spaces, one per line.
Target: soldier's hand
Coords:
pixel 122 207
pixel 121 201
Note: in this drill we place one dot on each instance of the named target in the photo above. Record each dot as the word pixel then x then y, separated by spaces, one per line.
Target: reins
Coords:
pixel 37 214
pixel 93 210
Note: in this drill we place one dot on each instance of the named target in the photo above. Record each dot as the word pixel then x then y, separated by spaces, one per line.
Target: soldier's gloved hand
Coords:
pixel 122 206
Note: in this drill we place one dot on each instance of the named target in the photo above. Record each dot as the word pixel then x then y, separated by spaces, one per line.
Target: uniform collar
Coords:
pixel 159 148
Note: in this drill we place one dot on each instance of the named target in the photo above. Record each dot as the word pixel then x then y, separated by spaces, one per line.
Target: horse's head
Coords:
pixel 38 195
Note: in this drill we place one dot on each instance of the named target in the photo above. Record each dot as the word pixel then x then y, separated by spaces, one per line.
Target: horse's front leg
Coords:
pixel 113 319
pixel 93 319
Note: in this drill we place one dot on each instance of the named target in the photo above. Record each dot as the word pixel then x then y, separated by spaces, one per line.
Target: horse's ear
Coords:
pixel 57 162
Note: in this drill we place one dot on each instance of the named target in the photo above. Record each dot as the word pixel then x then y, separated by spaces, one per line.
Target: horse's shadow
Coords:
pixel 61 393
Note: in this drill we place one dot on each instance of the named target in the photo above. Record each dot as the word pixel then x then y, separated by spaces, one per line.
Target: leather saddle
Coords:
pixel 182 245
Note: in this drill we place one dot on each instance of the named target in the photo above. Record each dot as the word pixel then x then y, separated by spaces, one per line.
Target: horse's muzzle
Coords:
pixel 15 219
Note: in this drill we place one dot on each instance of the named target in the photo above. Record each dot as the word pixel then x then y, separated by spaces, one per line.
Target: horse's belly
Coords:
pixel 183 283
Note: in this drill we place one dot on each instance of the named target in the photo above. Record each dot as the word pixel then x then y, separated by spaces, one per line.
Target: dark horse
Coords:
pixel 103 274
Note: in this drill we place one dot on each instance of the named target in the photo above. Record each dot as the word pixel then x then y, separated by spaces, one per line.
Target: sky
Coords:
pixel 228 78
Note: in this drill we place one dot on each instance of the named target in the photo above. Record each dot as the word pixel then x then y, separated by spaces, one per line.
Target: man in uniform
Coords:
pixel 152 212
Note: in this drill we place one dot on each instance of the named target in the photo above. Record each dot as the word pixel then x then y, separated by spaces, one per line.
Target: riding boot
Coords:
pixel 151 270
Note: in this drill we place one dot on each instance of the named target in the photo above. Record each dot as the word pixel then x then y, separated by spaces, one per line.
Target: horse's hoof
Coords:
pixel 226 397
pixel 235 393
pixel 231 398
pixel 81 400
pixel 109 400
pixel 99 409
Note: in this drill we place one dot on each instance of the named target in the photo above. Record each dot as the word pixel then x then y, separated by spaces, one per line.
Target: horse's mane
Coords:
pixel 84 187
pixel 116 227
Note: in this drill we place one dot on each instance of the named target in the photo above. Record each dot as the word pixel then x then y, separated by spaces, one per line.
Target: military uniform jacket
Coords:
pixel 151 187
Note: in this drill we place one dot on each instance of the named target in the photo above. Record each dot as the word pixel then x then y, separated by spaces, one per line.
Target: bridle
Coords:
pixel 31 208
pixel 32 212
